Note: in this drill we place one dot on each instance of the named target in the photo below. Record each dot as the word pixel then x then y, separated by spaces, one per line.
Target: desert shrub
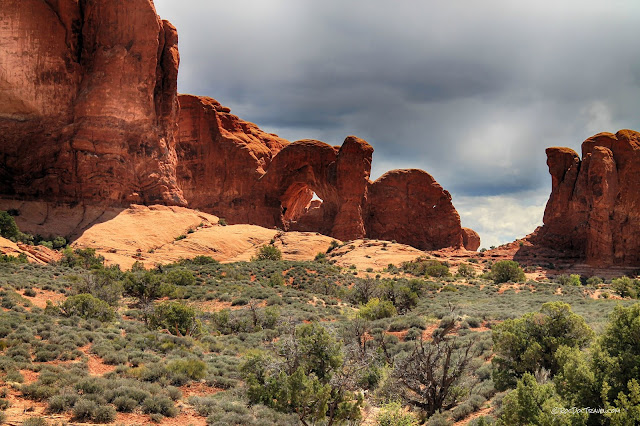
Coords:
pixel 179 276
pixel 595 280
pixel 21 258
pixel 125 404
pixel 268 252
pixel 428 267
pixel 176 317
pixel 466 271
pixel 146 286
pixel 333 245
pixel 84 258
pixel 573 279
pixel 321 257
pixel 159 404
pixel 62 402
pixel 103 283
pixel 533 403
pixel 34 421
pixel 377 309
pixel 104 414
pixel 84 410
pixel 88 307
pixel 392 414
pixel 439 419
pixel 30 292
pixel 222 221
pixel 626 287
pixel 191 368
pixel 507 271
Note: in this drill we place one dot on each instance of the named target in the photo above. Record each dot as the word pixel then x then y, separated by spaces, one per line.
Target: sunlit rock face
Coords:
pixel 594 207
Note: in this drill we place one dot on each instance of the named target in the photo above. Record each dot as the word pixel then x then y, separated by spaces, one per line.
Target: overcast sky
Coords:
pixel 470 91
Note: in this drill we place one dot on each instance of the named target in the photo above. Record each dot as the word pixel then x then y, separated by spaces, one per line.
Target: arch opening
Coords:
pixel 301 207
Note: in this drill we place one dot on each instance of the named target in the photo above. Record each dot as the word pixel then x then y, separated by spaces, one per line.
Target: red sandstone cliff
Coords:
pixel 593 211
pixel 88 101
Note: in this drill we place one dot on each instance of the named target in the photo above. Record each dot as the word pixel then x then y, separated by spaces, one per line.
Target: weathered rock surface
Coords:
pixel 221 157
pixel 470 239
pixel 88 90
pixel 593 211
pixel 409 206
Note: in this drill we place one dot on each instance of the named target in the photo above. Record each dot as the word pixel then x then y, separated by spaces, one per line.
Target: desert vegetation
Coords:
pixel 282 342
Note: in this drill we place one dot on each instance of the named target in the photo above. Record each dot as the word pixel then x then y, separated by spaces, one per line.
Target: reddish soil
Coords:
pixel 41 297
pixel 198 389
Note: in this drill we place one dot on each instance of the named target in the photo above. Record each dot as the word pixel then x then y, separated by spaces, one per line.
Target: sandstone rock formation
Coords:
pixel 593 209
pixel 89 113
pixel 231 168
pixel 220 158
pixel 470 239
pixel 88 88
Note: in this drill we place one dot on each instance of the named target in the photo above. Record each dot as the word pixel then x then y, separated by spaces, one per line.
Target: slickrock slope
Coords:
pixel 34 254
pixel 594 209
pixel 89 114
pixel 88 101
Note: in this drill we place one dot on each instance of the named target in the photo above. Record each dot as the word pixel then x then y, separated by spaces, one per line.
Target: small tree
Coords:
pixel 507 271
pixel 533 404
pixel 431 377
pixel 307 378
pixel 268 252
pixel 176 317
pixel 146 286
pixel 529 344
pixel 8 227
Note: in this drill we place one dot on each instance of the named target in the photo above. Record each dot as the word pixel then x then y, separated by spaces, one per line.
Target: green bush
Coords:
pixel 426 267
pixel 595 280
pixel 573 279
pixel 88 307
pixel 191 368
pixel 466 271
pixel 626 287
pixel 392 414
pixel 181 277
pixel 528 344
pixel 35 421
pixel 268 252
pixel 507 271
pixel 176 317
pixel 159 404
pixel 377 309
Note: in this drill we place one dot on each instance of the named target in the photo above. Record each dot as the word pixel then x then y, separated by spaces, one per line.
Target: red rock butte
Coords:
pixel 593 213
pixel 90 114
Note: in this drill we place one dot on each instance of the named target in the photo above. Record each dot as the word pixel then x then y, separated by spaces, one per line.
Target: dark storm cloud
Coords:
pixel 472 92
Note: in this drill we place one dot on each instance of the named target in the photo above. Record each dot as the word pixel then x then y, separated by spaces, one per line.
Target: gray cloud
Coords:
pixel 472 92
